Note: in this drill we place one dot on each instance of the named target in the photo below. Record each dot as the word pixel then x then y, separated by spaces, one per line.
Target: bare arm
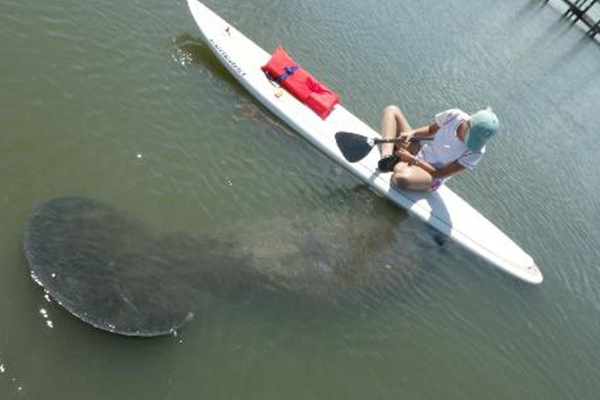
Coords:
pixel 451 169
pixel 425 131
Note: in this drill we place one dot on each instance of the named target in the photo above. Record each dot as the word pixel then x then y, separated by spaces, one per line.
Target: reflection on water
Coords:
pixel 110 270
pixel 15 384
pixel 187 50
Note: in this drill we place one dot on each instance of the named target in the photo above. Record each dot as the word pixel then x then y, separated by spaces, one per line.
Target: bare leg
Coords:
pixel 393 123
pixel 410 177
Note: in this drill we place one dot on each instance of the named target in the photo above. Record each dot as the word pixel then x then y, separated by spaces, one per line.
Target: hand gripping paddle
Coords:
pixel 355 147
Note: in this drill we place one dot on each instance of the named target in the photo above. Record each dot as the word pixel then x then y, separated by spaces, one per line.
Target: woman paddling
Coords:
pixel 458 143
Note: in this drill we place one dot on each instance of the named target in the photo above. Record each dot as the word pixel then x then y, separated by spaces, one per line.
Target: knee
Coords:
pixel 400 169
pixel 391 110
pixel 401 181
pixel 400 177
pixel 395 112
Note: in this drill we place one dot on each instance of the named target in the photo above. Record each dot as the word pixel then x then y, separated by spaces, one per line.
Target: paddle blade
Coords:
pixel 354 147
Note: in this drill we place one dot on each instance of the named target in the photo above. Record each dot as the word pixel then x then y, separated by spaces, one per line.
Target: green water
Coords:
pixel 121 102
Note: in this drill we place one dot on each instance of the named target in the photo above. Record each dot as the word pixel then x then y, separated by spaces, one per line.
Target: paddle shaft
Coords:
pixel 398 139
pixel 355 147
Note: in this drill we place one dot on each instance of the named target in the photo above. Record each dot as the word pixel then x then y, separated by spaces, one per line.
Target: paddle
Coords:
pixel 355 147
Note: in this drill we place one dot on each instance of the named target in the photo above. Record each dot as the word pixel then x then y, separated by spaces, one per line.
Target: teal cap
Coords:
pixel 482 126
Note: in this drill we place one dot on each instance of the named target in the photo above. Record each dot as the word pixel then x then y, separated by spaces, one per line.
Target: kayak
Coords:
pixel 442 209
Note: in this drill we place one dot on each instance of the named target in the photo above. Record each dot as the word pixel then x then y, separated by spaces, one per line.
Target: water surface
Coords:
pixel 122 103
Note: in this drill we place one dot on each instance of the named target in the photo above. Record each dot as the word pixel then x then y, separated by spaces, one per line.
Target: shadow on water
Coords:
pixel 111 271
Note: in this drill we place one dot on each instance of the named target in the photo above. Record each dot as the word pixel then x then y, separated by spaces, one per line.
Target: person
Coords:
pixel 458 143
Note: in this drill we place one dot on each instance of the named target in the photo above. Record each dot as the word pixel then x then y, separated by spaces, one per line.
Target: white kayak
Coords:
pixel 442 209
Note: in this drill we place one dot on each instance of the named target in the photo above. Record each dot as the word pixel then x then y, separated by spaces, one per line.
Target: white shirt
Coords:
pixel 446 147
